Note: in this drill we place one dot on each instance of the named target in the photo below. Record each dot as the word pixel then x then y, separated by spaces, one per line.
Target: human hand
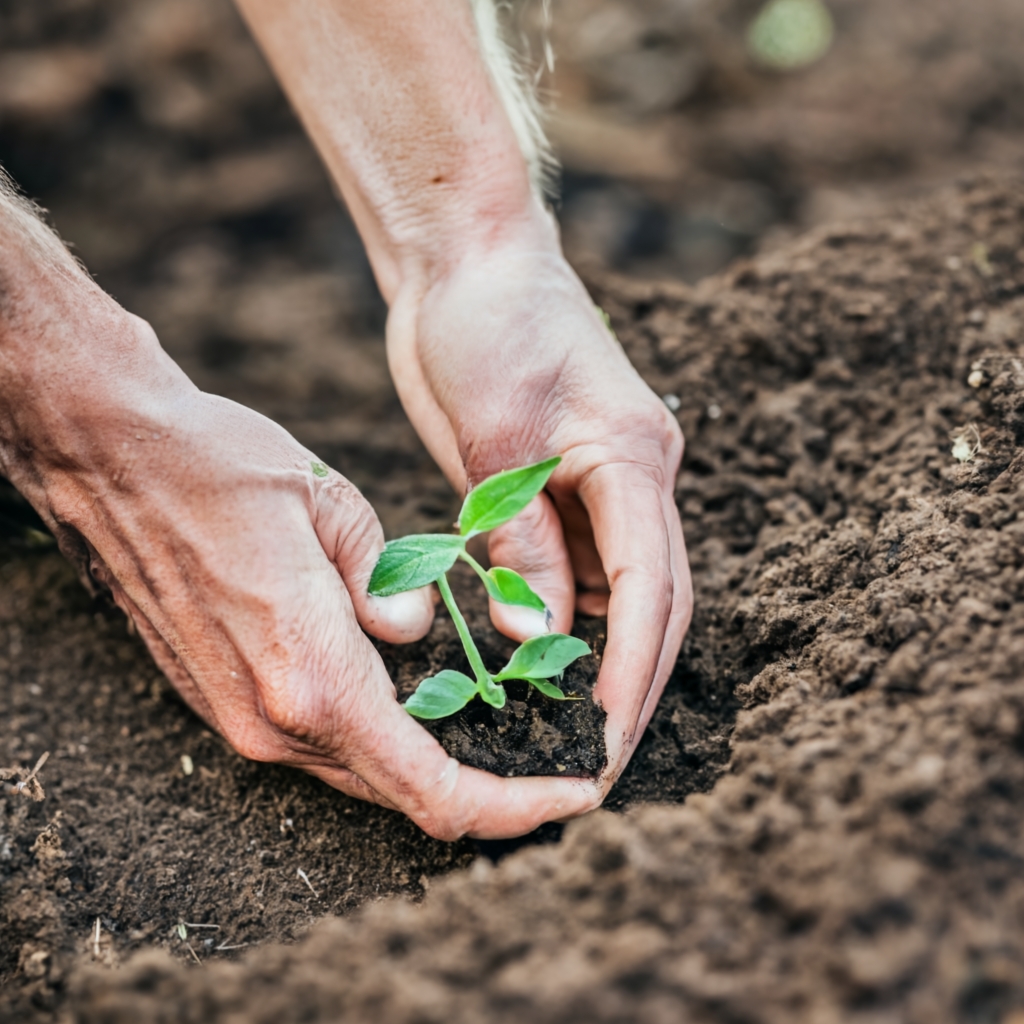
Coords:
pixel 244 565
pixel 503 360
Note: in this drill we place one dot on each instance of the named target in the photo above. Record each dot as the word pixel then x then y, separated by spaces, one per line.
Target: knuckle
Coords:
pixel 250 742
pixel 655 581
pixel 283 713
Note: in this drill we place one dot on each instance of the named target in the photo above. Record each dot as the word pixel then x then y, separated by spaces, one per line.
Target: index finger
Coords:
pixel 639 538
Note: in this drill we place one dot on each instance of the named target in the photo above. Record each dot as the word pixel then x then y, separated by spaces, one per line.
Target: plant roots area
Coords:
pixel 823 822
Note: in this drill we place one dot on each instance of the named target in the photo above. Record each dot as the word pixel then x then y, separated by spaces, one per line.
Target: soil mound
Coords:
pixel 854 406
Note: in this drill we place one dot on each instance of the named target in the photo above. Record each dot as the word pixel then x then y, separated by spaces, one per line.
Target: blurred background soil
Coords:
pixel 168 158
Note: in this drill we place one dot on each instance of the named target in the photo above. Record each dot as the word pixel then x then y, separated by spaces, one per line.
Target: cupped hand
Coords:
pixel 503 360
pixel 244 563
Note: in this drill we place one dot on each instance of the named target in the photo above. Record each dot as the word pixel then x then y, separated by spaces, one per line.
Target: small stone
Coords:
pixel 186 764
pixel 714 411
pixel 672 402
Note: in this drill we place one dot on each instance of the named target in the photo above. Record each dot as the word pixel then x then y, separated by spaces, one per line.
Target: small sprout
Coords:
pixel 419 560
pixel 966 443
pixel 320 469
pixel 182 931
pixel 789 34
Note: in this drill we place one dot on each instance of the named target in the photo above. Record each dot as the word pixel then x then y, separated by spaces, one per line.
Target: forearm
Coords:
pixel 398 99
pixel 73 363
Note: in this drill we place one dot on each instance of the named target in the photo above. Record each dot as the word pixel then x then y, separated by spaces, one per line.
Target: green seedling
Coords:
pixel 419 560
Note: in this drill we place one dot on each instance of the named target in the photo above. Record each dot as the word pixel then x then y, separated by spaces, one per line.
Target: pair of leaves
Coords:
pixel 535 661
pixel 420 559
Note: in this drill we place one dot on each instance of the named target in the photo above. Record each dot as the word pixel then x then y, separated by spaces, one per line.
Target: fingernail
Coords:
pixel 527 622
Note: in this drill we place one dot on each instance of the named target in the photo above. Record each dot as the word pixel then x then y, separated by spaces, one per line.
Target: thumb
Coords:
pixel 351 534
pixel 533 544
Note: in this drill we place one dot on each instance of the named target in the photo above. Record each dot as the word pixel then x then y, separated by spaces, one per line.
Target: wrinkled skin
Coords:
pixel 605 537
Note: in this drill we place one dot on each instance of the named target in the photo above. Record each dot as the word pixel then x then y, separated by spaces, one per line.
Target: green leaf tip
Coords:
pixel 508 587
pixel 503 496
pixel 413 562
pixel 320 469
pixel 441 695
pixel 543 657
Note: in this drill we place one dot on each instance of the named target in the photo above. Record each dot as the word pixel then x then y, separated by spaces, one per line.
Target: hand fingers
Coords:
pixel 351 535
pixel 589 574
pixel 679 617
pixel 533 545
pixel 627 509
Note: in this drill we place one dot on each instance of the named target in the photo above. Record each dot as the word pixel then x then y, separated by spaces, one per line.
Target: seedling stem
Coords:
pixel 412 562
pixel 475 661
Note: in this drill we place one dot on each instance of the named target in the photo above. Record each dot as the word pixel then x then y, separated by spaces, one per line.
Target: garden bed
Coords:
pixel 860 596
pixel 822 822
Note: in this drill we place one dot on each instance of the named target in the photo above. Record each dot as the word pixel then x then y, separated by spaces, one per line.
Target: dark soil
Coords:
pixel 532 734
pixel 855 659
pixel 861 589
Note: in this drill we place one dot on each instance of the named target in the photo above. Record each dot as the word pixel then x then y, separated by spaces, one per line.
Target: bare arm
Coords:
pixel 397 98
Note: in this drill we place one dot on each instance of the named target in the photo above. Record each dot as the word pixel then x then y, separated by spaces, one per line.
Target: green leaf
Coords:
pixel 543 657
pixel 502 496
pixel 548 689
pixel 413 562
pixel 509 587
pixel 320 469
pixel 441 695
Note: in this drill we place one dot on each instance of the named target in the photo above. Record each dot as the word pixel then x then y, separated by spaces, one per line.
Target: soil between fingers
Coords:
pixel 532 734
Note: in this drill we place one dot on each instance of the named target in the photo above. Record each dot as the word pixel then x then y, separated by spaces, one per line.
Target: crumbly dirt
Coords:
pixel 532 734
pixel 861 590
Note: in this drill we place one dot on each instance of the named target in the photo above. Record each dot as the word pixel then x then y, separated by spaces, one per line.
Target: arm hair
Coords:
pixel 516 87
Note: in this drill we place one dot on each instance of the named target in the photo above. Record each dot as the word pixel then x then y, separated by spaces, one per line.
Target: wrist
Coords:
pixel 474 222
pixel 80 380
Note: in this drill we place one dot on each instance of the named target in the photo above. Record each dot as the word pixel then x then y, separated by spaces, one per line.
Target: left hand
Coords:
pixel 505 360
